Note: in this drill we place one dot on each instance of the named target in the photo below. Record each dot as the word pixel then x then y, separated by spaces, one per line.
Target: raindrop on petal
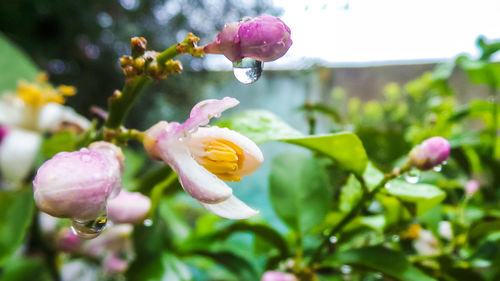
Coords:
pixel 247 70
pixel 89 229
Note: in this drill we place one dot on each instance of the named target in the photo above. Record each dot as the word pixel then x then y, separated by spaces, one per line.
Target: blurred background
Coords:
pixel 342 49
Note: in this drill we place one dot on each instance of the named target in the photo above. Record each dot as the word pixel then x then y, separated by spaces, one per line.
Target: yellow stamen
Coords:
pixel 41 92
pixel 223 159
pixel 412 232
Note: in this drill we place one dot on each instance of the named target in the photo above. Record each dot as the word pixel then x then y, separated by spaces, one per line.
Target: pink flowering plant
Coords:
pixel 402 189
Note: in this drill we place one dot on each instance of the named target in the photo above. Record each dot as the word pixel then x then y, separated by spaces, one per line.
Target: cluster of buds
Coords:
pixel 143 62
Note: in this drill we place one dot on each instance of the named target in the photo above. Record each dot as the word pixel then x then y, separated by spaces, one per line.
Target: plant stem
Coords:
pixel 365 197
pixel 158 189
pixel 120 103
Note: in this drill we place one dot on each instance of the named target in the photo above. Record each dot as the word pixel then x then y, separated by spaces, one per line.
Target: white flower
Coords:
pixel 35 108
pixel 205 157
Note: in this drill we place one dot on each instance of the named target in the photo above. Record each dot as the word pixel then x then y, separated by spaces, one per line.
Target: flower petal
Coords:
pixel 232 208
pixel 202 112
pixel 53 115
pixel 253 155
pixel 17 154
pixel 195 179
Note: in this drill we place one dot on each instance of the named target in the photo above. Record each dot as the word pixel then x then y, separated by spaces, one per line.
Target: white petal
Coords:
pixel 232 208
pixel 17 153
pixel 53 115
pixel 253 155
pixel 195 179
pixel 11 111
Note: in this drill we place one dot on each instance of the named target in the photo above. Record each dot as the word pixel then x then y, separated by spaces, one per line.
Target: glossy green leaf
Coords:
pixel 238 265
pixel 380 259
pixel 344 148
pixel 482 229
pixel 260 126
pixel 423 196
pixel 299 190
pixel 62 141
pixel 16 211
pixel 15 65
pixel 18 268
pixel 261 230
pixel 263 126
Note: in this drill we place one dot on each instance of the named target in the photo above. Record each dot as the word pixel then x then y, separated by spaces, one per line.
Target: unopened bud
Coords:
pixel 432 152
pixel 264 38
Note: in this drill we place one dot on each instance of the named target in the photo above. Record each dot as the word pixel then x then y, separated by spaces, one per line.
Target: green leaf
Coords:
pixel 63 141
pixel 423 196
pixel 481 72
pixel 15 65
pixel 261 230
pixel 263 126
pixel 18 268
pixel 350 194
pixel 16 210
pixel 299 190
pixel 260 126
pixel 238 265
pixel 380 259
pixel 344 148
pixel 482 229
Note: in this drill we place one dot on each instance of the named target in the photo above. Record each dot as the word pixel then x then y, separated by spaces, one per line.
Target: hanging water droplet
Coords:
pixel 438 168
pixel 387 185
pixel 333 239
pixel 247 70
pixel 412 176
pixel 148 222
pixel 89 229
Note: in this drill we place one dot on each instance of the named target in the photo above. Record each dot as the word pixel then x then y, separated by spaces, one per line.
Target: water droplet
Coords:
pixel 387 185
pixel 378 275
pixel 438 168
pixel 444 163
pixel 90 228
pixel 345 269
pixel 333 239
pixel 247 70
pixel 412 176
pixel 148 222
pixel 395 238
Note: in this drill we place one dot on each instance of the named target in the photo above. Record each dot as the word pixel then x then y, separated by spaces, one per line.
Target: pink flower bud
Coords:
pixel 77 184
pixel 3 133
pixel 264 38
pixel 430 153
pixel 278 276
pixel 471 187
pixel 67 241
pixel 113 264
pixel 128 207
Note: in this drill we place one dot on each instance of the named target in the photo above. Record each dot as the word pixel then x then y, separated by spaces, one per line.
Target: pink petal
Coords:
pixel 201 114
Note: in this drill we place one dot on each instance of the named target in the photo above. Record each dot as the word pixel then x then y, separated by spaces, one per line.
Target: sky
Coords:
pixel 374 32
